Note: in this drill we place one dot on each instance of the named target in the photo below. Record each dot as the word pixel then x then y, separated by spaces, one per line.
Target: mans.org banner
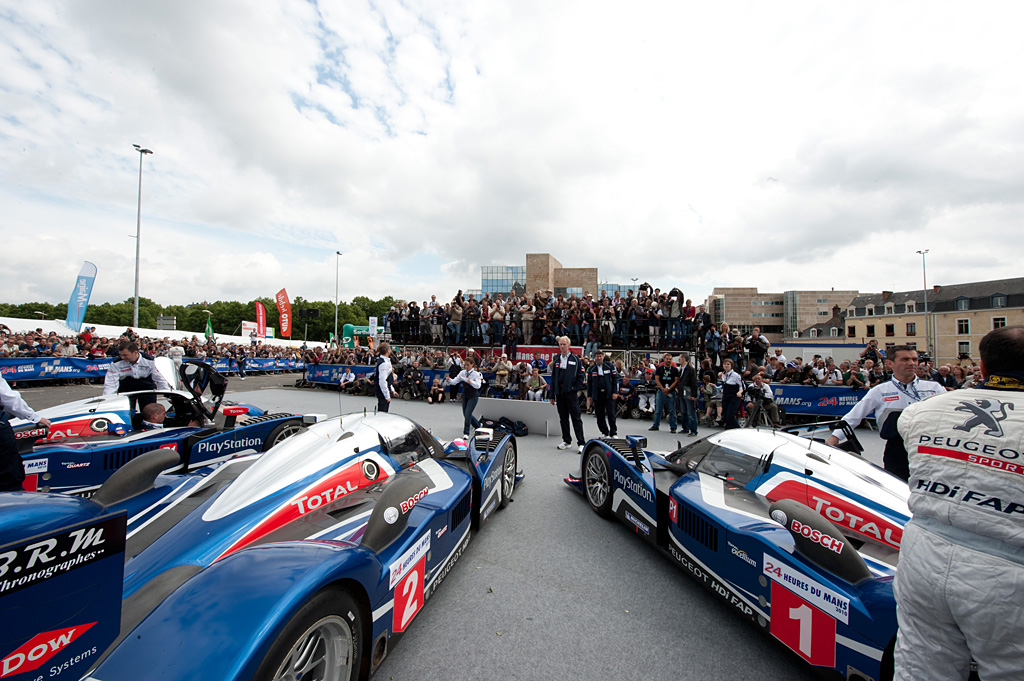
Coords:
pixel 821 400
pixel 45 368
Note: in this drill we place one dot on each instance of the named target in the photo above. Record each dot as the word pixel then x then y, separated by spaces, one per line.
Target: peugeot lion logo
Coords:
pixel 984 413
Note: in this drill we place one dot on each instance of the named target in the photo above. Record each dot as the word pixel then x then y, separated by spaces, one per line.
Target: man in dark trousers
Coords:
pixel 383 378
pixel 567 379
pixel 687 387
pixel 602 383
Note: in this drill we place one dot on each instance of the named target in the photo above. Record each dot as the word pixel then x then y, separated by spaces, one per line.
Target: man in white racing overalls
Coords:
pixel 960 578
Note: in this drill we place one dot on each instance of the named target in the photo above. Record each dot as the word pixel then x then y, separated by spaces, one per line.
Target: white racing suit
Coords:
pixel 960 582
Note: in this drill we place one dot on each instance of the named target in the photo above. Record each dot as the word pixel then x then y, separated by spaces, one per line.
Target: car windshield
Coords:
pixel 305 453
pixel 730 464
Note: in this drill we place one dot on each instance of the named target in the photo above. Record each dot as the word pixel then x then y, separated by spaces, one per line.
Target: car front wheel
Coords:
pixel 282 433
pixel 508 475
pixel 321 642
pixel 597 481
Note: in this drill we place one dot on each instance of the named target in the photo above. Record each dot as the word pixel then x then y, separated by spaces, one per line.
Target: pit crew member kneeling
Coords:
pixel 759 398
pixel 961 567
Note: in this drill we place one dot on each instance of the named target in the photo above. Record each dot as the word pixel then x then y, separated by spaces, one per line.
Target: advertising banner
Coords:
pixel 247 328
pixel 261 320
pixel 36 368
pixel 528 353
pixel 79 301
pixel 822 400
pixel 284 309
pixel 46 368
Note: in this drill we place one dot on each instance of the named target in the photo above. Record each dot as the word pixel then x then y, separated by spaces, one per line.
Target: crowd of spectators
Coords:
pixel 89 345
pixel 649 319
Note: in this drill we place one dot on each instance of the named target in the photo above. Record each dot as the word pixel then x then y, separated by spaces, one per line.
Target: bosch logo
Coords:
pixel 35 432
pixel 390 515
pixel 818 537
pixel 413 500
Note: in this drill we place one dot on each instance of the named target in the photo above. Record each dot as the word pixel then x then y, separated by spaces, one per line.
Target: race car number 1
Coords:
pixel 805 629
pixel 408 597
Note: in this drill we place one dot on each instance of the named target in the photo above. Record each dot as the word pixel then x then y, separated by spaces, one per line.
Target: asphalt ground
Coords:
pixel 548 590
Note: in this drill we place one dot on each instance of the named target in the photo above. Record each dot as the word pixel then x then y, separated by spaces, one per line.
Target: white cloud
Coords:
pixel 797 146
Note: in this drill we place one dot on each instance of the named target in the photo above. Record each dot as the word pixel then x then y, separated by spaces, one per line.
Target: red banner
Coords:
pixel 261 320
pixel 284 309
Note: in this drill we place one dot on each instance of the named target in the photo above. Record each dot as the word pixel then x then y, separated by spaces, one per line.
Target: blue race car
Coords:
pixel 306 562
pixel 90 439
pixel 800 538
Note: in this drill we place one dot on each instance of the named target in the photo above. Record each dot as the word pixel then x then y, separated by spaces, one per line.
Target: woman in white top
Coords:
pixel 471 380
pixel 732 391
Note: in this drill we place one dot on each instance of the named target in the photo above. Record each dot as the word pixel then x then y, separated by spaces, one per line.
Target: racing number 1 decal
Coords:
pixel 408 597
pixel 805 629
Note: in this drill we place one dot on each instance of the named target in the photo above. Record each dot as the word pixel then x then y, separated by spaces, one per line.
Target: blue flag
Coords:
pixel 80 296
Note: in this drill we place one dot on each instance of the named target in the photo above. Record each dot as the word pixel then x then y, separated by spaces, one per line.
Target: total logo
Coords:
pixel 818 537
pixel 37 650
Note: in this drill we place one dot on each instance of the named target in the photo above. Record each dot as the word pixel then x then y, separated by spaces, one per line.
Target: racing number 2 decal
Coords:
pixel 805 629
pixel 408 597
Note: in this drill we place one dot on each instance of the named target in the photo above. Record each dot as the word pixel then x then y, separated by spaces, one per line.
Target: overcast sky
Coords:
pixel 786 145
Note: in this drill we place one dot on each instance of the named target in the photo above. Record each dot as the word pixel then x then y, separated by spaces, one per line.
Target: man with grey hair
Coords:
pixel 567 379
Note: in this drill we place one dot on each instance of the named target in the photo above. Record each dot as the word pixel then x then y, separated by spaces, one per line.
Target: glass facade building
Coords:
pixel 502 278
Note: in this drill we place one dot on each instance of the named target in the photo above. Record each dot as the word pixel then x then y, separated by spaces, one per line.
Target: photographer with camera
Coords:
pixel 757 346
pixel 674 337
pixel 759 398
pixel 873 352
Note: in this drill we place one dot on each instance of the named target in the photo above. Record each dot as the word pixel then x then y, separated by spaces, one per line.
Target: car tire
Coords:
pixel 508 474
pixel 635 413
pixel 406 395
pixel 281 433
pixel 325 636
pixel 597 481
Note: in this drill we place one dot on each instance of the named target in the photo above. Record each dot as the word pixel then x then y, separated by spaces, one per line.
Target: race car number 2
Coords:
pixel 805 629
pixel 408 597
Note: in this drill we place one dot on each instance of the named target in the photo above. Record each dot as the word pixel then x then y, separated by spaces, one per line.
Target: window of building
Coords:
pixel 963 327
pixel 852 312
pixel 963 304
pixel 911 328
pixel 998 322
pixel 796 334
pixel 888 309
pixel 834 332
pixel 890 329
pixel 851 331
pixel 822 300
pixel 963 348
pixel 888 349
pixel 814 333
pixel 823 313
pixel 870 332
pixel 911 307
pixel 911 344
pixel 999 300
pixel 871 311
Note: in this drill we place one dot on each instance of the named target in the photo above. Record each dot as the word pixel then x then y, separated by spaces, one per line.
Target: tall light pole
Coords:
pixel 927 333
pixel 138 233
pixel 337 275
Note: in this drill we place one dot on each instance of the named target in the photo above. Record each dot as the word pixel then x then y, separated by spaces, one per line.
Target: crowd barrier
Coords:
pixel 807 400
pixel 48 368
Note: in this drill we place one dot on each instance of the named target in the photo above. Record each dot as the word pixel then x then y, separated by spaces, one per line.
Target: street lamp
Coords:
pixel 927 333
pixel 138 230
pixel 337 275
pixel 41 314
